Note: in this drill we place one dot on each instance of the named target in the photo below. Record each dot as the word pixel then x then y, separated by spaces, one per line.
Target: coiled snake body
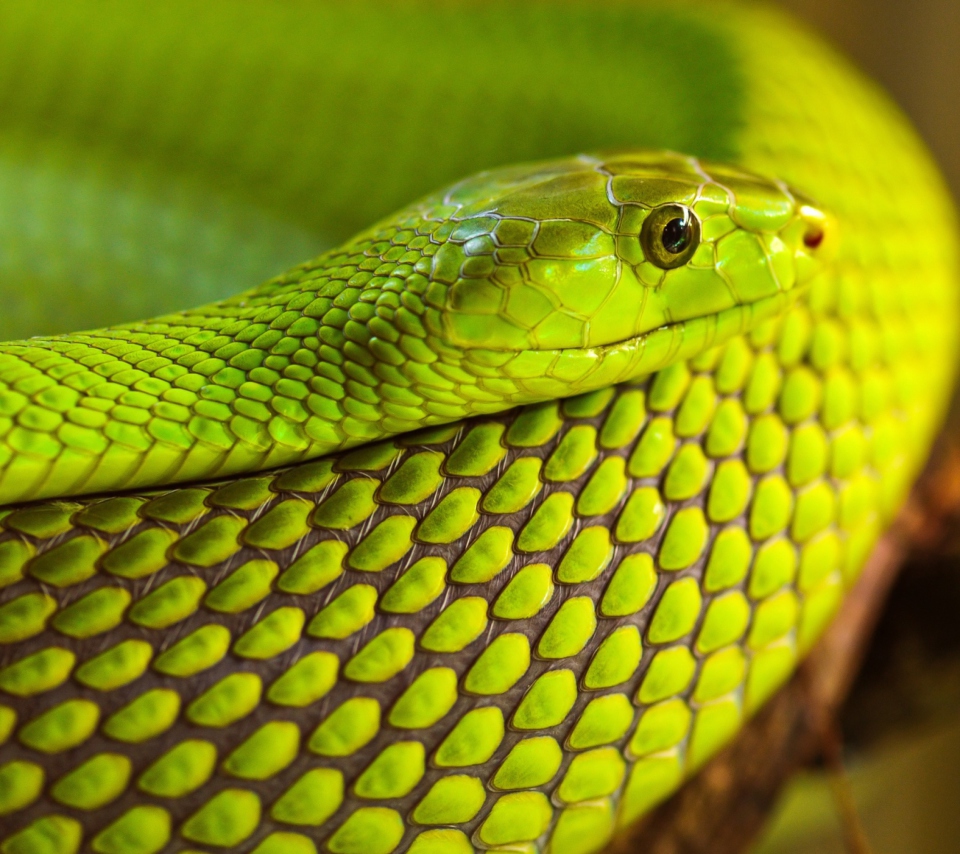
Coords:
pixel 262 588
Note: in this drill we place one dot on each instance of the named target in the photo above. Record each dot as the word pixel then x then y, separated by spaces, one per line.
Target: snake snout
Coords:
pixel 811 237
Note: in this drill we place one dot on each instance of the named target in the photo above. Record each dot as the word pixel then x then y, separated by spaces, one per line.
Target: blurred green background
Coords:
pixel 905 788
pixel 913 48
pixel 903 755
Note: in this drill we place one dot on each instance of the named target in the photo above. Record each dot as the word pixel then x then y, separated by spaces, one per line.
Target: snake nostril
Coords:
pixel 813 236
pixel 815 226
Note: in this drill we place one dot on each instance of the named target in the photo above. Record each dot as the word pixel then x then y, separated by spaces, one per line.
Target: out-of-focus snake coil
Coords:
pixel 486 527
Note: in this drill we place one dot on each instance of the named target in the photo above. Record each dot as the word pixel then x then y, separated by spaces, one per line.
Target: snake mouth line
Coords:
pixel 763 308
pixel 543 374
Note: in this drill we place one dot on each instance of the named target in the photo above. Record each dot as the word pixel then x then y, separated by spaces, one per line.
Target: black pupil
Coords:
pixel 676 235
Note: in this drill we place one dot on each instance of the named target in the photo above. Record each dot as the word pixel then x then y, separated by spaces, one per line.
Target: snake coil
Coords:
pixel 490 524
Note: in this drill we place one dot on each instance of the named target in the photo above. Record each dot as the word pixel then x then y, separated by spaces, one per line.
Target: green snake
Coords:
pixel 490 524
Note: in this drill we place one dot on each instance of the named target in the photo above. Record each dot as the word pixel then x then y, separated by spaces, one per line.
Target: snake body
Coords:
pixel 486 527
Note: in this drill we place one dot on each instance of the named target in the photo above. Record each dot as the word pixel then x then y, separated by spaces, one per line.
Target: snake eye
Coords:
pixel 670 235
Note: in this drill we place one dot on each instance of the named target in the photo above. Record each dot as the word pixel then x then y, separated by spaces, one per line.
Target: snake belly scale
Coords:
pixel 487 527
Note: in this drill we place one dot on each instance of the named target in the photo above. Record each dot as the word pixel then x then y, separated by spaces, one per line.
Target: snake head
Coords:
pixel 641 251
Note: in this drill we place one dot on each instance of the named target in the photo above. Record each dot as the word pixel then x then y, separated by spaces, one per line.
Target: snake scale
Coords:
pixel 490 524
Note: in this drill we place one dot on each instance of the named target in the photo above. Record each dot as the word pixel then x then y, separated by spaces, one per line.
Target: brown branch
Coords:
pixel 854 836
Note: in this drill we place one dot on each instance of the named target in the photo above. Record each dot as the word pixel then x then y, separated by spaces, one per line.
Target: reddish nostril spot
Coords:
pixel 813 238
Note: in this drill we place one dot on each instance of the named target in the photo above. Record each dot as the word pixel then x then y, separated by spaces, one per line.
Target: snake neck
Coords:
pixel 337 352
